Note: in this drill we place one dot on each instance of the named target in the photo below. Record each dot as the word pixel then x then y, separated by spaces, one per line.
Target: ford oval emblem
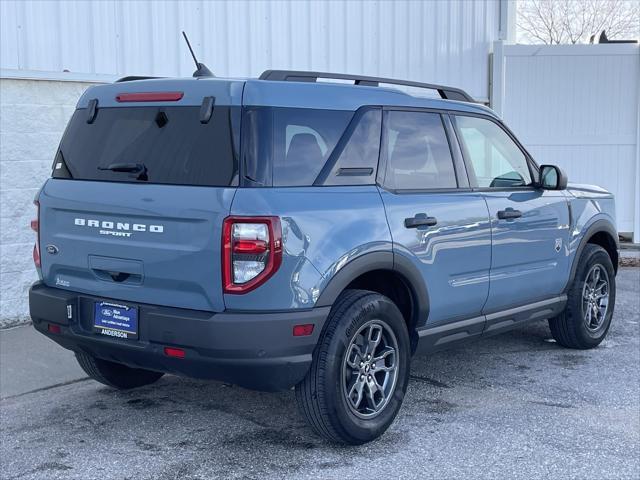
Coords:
pixel 52 249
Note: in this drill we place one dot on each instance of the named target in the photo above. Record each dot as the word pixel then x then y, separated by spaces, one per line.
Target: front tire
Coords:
pixel 360 370
pixel 591 298
pixel 114 374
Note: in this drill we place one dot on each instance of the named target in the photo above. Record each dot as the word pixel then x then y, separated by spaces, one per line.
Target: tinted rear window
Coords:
pixel 171 143
pixel 295 142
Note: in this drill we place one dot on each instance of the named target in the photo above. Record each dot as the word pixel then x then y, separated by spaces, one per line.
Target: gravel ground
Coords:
pixel 512 406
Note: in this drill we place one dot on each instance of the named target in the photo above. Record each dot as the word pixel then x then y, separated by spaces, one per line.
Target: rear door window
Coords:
pixel 169 145
pixel 416 151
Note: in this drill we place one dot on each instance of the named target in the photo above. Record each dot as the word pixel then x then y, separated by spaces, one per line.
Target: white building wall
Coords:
pixel 577 106
pixel 73 42
pixel 33 115
pixel 432 41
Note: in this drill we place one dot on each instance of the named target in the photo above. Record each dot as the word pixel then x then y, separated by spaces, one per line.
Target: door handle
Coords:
pixel 509 214
pixel 420 220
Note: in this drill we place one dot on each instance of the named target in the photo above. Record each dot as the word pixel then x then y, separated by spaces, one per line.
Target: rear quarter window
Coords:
pixel 290 146
pixel 170 142
pixel 355 160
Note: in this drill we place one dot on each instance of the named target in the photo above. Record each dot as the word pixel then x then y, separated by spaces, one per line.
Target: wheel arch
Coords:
pixel 391 275
pixel 602 233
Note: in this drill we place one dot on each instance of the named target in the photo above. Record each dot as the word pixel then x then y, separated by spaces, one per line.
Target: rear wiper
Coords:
pixel 124 167
pixel 128 167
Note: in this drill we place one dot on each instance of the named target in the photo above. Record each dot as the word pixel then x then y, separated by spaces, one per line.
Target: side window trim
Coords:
pixel 462 174
pixel 459 168
pixel 531 164
pixel 322 177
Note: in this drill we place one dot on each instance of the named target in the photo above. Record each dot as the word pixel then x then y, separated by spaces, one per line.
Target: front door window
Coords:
pixel 496 159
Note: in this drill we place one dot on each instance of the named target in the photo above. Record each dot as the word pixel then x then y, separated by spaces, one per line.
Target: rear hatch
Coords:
pixel 143 179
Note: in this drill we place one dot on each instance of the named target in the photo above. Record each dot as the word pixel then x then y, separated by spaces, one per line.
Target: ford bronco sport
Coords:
pixel 287 232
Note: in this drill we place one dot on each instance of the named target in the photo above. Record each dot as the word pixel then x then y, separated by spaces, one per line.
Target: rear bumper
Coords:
pixel 253 350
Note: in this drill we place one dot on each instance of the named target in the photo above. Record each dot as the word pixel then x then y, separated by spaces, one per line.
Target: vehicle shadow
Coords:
pixel 187 428
pixel 254 425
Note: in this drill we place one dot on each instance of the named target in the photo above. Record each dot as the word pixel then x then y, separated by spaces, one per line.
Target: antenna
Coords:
pixel 201 68
pixel 186 39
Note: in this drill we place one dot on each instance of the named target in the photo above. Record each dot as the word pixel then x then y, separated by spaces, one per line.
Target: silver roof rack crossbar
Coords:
pixel 447 93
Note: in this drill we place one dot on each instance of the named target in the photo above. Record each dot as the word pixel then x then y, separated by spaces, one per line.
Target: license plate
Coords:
pixel 116 320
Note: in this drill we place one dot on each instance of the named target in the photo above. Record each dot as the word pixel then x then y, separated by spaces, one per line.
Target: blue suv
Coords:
pixel 290 231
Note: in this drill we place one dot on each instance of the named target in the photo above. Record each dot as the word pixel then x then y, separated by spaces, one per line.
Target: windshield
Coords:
pixel 170 144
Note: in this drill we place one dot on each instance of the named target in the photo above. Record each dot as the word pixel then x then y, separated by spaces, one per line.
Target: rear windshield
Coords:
pixel 289 146
pixel 153 145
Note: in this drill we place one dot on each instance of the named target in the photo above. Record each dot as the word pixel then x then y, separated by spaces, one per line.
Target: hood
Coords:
pixel 584 190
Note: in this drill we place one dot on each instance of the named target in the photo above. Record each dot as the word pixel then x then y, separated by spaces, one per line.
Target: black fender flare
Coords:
pixel 598 226
pixel 381 260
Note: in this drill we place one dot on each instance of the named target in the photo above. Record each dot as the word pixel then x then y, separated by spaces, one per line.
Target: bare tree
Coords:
pixel 575 21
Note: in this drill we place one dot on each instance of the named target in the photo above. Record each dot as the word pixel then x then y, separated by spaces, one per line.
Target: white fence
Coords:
pixel 577 106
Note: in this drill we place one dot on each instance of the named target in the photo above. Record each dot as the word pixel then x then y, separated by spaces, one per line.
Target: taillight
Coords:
pixel 251 252
pixel 35 226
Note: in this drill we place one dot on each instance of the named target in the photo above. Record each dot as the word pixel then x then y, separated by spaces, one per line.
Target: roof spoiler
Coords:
pixel 447 93
pixel 132 78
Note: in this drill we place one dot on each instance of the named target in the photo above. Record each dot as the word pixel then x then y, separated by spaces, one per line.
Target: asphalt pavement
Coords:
pixel 512 406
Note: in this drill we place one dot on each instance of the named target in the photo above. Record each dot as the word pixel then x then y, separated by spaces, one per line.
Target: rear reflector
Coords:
pixel 174 352
pixel 303 330
pixel 149 97
pixel 35 226
pixel 54 328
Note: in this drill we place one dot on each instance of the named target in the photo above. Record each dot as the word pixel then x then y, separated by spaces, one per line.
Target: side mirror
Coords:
pixel 552 178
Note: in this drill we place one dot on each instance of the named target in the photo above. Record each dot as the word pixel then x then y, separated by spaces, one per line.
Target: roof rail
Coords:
pixel 447 93
pixel 131 78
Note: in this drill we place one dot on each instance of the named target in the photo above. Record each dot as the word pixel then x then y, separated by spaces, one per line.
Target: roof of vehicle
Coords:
pixel 256 92
pixel 337 96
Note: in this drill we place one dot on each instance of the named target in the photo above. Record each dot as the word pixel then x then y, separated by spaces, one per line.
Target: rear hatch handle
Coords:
pixel 119 270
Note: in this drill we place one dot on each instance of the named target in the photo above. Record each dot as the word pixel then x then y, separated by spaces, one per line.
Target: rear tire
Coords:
pixel 591 298
pixel 360 370
pixel 116 375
